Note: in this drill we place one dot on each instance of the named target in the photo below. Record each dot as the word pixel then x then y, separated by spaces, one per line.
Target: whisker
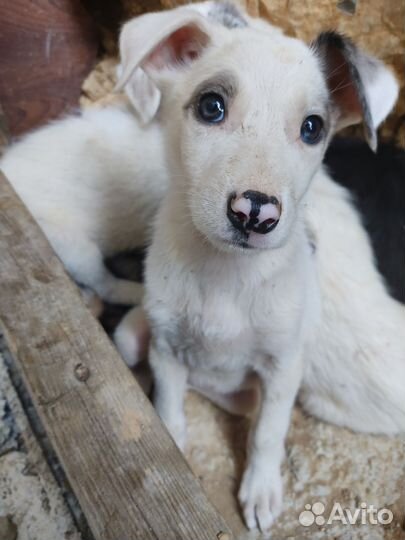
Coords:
pixel 340 86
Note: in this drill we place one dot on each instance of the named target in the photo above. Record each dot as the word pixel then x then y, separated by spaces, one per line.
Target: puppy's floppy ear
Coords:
pixel 156 43
pixel 362 88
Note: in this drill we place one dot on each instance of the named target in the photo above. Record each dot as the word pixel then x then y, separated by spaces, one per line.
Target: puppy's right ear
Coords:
pixel 156 44
pixel 362 89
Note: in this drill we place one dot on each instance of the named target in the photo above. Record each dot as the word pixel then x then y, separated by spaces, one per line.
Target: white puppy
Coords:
pixel 81 179
pixel 231 286
pixel 355 364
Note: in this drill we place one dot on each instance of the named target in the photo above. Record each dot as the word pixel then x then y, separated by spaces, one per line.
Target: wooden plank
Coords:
pixel 47 49
pixel 129 477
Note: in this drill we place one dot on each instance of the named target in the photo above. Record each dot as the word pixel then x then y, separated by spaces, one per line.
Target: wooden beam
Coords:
pixel 128 475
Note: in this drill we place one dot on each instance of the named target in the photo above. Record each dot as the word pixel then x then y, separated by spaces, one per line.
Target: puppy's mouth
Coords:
pixel 242 241
pixel 242 244
pixel 239 241
pixel 246 240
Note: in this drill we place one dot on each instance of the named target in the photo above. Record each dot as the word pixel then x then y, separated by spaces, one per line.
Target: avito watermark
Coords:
pixel 366 514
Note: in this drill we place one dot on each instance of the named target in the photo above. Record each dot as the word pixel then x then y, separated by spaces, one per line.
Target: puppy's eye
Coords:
pixel 312 129
pixel 211 108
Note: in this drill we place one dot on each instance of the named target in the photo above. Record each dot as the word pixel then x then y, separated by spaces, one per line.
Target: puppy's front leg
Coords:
pixel 170 380
pixel 261 490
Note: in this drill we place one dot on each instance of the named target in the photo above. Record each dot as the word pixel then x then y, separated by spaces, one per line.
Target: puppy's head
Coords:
pixel 248 114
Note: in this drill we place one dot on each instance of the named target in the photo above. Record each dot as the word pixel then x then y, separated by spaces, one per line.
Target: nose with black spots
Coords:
pixel 253 211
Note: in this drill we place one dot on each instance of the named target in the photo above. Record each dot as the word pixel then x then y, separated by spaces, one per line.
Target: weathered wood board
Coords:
pixel 128 475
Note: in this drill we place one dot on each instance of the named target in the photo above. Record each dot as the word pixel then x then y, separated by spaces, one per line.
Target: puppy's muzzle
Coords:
pixel 253 212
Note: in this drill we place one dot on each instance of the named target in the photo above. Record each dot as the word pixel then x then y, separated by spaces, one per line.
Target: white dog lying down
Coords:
pixel 81 179
pixel 231 279
pixel 227 309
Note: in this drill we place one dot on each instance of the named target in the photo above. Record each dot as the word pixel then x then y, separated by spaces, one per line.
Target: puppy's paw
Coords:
pixel 178 431
pixel 260 496
pixel 132 337
pixel 175 423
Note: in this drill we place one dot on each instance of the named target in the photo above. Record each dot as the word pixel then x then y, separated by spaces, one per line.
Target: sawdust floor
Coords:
pixel 324 464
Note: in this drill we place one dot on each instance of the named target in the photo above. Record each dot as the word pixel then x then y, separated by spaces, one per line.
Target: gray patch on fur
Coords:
pixel 228 15
pixel 311 237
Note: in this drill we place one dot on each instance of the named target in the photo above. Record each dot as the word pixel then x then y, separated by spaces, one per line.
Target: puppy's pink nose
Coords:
pixel 254 211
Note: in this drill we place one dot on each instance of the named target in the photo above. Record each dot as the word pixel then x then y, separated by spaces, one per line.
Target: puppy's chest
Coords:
pixel 223 316
pixel 223 329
